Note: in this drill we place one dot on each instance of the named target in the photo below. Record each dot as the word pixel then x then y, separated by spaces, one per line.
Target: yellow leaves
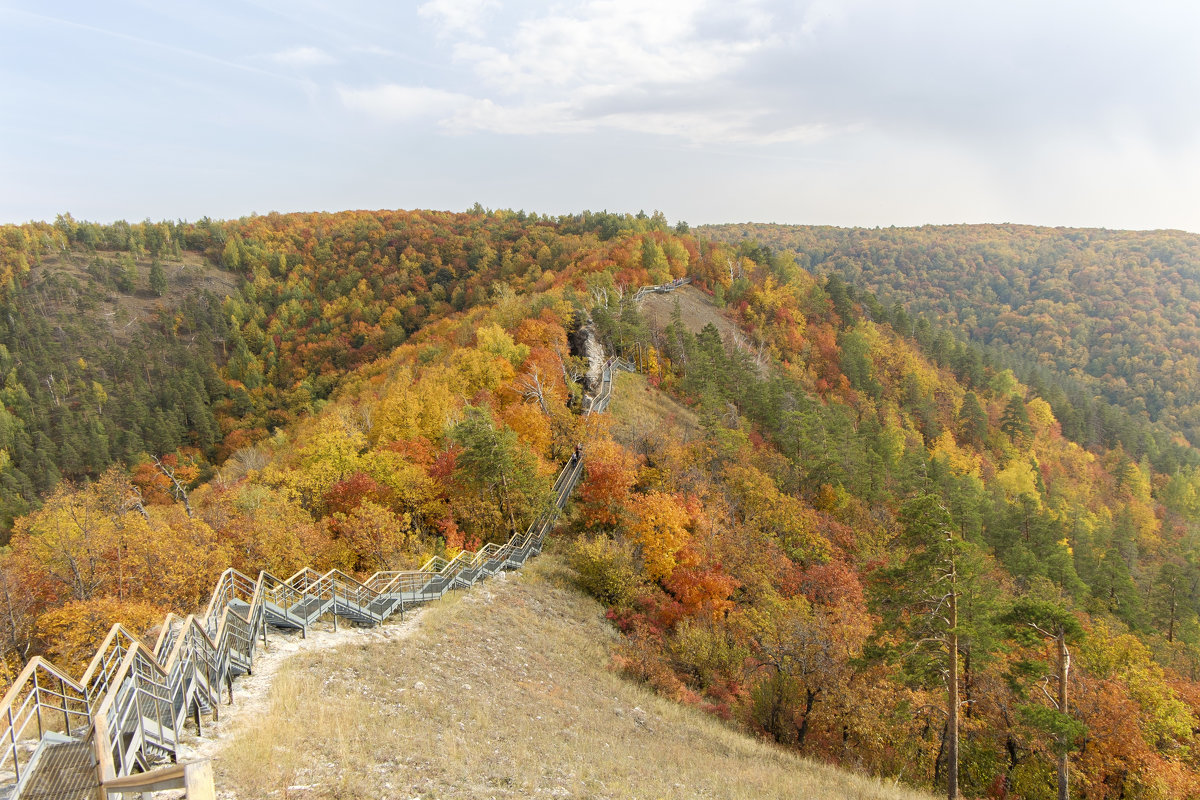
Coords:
pixel 265 530
pixel 677 256
pixel 1165 720
pixel 961 460
pixel 1041 417
pixel 494 340
pixel 478 370
pixel 330 453
pixel 659 528
pixel 383 539
pixel 412 407
pixel 765 507
pixel 173 559
pixel 412 488
pixel 76 629
pixel 1019 479
pixel 896 361
pixel 70 538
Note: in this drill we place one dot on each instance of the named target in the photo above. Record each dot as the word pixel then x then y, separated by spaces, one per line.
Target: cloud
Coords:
pixel 401 103
pixel 618 45
pixel 665 68
pixel 460 113
pixel 1001 77
pixel 458 16
pixel 303 56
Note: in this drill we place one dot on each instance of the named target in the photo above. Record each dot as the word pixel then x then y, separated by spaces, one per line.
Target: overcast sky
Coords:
pixel 845 112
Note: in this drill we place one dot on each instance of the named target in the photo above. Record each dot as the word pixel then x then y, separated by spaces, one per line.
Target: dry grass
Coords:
pixel 502 692
pixel 187 275
pixel 638 411
pixel 696 310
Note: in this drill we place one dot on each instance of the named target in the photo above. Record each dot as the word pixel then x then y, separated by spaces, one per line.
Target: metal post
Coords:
pixel 12 735
pixel 37 704
pixel 62 688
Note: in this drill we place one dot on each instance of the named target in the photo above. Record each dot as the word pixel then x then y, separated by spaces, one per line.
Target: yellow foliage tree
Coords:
pixel 173 560
pixel 331 453
pixel 382 539
pixel 496 341
pixel 658 526
pixel 961 460
pixel 73 540
pixel 75 630
pixel 1018 479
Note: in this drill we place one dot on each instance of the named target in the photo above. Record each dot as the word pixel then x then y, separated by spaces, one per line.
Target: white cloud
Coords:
pixel 399 103
pixel 458 16
pixel 303 56
pixel 665 68
pixel 618 44
pixel 460 113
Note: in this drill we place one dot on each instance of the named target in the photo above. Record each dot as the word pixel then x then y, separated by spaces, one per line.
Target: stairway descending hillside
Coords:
pixel 64 738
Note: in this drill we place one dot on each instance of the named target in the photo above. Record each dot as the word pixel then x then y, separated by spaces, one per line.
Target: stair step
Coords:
pixel 64 771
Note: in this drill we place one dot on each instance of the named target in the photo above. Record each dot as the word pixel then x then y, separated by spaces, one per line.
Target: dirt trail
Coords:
pixel 250 692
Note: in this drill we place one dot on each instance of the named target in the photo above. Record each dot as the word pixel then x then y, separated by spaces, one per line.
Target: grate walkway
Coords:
pixel 63 771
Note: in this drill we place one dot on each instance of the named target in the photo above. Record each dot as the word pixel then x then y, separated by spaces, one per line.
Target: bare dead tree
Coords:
pixel 532 388
pixel 177 488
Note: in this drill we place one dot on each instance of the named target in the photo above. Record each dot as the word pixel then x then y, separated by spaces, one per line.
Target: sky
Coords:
pixel 841 112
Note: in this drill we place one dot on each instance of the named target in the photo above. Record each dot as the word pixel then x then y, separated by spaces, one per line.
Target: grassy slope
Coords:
pixel 189 274
pixel 504 691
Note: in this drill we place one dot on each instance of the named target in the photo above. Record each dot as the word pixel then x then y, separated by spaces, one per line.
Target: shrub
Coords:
pixel 605 568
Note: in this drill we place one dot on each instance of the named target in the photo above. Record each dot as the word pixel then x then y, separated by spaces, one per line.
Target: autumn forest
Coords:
pixel 919 502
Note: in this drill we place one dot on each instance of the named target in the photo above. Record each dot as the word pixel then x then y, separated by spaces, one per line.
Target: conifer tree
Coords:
pixel 937 600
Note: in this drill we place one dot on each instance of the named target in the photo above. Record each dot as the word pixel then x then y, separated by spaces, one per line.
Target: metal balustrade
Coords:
pixel 662 288
pixel 131 704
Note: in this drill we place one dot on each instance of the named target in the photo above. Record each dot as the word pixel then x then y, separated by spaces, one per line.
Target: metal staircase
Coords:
pixel 63 738
pixel 662 288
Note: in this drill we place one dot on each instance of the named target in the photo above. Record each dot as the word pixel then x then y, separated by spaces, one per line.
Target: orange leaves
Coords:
pixel 263 529
pixel 702 590
pixel 77 629
pixel 611 472
pixel 172 559
pixel 531 425
pixel 347 494
pixel 155 483
pixel 381 538
pixel 659 527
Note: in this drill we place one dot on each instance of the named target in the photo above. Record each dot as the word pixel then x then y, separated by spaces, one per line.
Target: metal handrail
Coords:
pixel 133 699
pixel 661 288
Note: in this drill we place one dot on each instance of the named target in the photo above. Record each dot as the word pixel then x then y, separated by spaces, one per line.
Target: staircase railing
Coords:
pixel 133 700
pixel 43 699
pixel 661 288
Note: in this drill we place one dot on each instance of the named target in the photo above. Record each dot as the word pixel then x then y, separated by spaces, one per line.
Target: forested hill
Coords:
pixel 188 342
pixel 1108 313
pixel 772 513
